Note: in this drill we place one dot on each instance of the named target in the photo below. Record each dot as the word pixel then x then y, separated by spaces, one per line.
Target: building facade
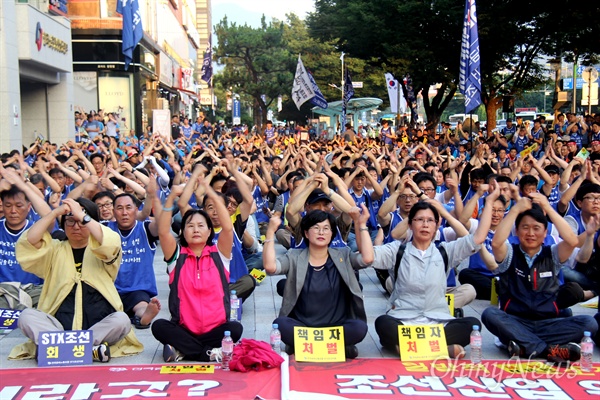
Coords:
pixel 36 81
pixel 60 56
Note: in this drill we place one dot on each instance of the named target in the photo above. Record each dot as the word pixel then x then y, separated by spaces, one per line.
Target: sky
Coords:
pixel 250 11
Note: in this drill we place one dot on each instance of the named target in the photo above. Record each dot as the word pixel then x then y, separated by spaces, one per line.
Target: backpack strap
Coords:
pixel 226 292
pixel 400 254
pixel 174 289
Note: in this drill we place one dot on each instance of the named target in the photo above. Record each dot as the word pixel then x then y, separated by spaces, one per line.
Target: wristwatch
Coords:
pixel 421 194
pixel 86 218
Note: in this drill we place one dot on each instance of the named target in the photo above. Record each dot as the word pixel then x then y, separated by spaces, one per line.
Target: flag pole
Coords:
pixel 398 87
pixel 342 120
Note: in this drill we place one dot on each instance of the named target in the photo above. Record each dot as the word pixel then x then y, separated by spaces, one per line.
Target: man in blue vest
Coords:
pixel 19 289
pixel 136 282
pixel 527 321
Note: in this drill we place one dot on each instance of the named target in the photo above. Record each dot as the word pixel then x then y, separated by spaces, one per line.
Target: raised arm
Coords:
pixel 268 254
pixel 503 230
pixel 168 243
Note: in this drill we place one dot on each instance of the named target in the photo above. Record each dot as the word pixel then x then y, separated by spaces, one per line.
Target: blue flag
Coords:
pixel 470 75
pixel 348 94
pixel 207 69
pixel 318 100
pixel 132 27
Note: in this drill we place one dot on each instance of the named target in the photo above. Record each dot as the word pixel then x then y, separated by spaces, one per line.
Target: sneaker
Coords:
pixel 215 354
pixel 564 353
pixel 351 352
pixel 170 354
pixel 514 350
pixel 101 352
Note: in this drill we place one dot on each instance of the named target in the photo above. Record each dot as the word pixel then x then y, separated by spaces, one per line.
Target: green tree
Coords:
pixel 423 39
pixel 256 62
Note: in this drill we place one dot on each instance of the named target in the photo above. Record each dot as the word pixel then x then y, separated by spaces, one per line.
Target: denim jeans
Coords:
pixel 352 239
pixel 586 283
pixel 534 336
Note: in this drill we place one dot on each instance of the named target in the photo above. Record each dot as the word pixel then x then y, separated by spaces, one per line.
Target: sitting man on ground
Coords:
pixel 528 320
pixel 79 273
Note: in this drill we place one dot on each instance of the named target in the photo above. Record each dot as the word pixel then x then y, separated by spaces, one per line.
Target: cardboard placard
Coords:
pixel 319 344
pixel 422 342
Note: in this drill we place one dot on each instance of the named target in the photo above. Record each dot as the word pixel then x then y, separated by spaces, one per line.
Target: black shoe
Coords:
pixel 101 352
pixel 170 354
pixel 564 353
pixel 351 352
pixel 514 350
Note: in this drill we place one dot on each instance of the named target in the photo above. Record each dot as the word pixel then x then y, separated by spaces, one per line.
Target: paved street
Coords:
pixel 261 309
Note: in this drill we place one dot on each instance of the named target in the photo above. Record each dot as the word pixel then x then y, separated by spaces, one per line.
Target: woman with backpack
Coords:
pixel 198 280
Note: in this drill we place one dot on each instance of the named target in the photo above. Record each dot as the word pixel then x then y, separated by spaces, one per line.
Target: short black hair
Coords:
pixel 314 217
pixel 102 194
pixel 423 205
pixel 187 216
pixel 527 180
pixel 88 206
pixel 585 188
pixel 12 192
pixel 424 176
pixel 536 213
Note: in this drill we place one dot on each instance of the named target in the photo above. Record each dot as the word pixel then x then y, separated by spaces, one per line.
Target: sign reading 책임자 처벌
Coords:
pixel 319 344
pixel 63 348
pixel 422 342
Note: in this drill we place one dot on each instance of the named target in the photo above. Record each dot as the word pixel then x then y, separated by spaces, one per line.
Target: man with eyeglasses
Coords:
pixel 136 282
pixel 104 201
pixel 79 291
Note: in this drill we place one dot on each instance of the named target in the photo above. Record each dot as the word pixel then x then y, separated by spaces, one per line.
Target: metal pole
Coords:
pixel 399 87
pixel 343 87
pixel 590 95
pixel 574 104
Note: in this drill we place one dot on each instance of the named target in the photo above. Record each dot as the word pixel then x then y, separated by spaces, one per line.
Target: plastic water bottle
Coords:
pixel 275 339
pixel 235 306
pixel 227 350
pixel 587 350
pixel 476 343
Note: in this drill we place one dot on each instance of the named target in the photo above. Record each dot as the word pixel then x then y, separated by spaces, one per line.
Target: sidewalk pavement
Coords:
pixel 262 308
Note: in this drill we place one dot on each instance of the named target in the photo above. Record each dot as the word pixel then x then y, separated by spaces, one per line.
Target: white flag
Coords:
pixel 302 91
pixel 394 88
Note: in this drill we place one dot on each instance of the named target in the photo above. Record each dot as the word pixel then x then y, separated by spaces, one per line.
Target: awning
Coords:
pixel 354 106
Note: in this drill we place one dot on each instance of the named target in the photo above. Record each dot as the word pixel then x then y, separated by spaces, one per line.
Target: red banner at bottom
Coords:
pixel 139 381
pixel 389 378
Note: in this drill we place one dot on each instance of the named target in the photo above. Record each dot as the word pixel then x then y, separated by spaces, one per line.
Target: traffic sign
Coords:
pixel 357 85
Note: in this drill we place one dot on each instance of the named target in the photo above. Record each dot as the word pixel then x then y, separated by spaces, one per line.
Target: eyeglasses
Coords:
pixel 497 211
pixel 318 229
pixel 425 221
pixel 105 205
pixel 233 203
pixel 407 197
pixel 592 199
pixel 70 222
pixel 428 190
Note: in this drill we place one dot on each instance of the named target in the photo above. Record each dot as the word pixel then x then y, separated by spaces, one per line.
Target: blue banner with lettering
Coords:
pixel 132 27
pixel 207 69
pixel 63 348
pixel 470 74
pixel 318 100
